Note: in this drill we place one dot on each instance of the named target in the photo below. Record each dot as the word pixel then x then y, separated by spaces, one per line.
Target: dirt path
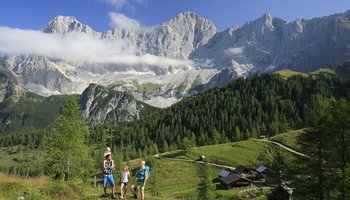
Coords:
pixel 284 147
pixel 231 167
pixel 195 161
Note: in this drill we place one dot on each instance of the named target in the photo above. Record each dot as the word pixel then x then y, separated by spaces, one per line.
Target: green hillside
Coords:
pixel 264 104
pixel 286 73
pixel 27 110
pixel 171 179
pixel 22 111
pixel 342 70
pixel 290 139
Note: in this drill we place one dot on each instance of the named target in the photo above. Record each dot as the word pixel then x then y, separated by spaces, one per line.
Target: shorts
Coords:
pixel 108 178
pixel 139 185
pixel 125 183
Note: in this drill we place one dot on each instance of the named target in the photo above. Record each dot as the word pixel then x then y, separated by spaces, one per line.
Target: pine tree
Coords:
pixel 237 136
pixel 66 144
pixel 205 186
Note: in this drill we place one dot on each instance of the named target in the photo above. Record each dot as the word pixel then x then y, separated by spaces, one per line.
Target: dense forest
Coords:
pixel 263 104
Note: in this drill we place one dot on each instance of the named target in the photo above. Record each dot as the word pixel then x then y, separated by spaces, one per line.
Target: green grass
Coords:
pixel 27 111
pixel 286 73
pixel 147 87
pixel 182 87
pixel 20 160
pixel 174 179
pixel 290 139
pixel 12 187
pixel 323 70
pixel 233 154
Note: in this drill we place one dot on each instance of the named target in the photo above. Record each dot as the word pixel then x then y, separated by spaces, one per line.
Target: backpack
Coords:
pixel 141 174
pixel 148 171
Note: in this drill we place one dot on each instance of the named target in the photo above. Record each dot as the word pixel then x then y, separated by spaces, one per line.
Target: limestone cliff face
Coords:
pixel 268 44
pixel 103 105
pixel 214 58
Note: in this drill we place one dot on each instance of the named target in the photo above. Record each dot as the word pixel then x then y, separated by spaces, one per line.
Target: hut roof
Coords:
pixel 232 178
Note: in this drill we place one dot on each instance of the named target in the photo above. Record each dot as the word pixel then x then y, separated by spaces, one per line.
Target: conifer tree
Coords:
pixel 66 144
pixel 205 185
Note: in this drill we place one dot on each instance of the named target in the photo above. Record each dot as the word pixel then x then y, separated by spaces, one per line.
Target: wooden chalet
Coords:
pixel 240 169
pixel 234 181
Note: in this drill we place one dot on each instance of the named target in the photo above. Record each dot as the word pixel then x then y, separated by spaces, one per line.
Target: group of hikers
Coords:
pixel 139 180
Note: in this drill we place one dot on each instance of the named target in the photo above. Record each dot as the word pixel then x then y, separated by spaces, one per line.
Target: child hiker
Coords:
pixel 142 175
pixel 124 179
pixel 108 167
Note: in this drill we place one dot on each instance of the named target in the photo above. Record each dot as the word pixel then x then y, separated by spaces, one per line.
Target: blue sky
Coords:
pixel 34 14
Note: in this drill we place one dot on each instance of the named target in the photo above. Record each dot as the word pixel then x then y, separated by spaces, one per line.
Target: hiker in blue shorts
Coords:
pixel 108 167
pixel 142 175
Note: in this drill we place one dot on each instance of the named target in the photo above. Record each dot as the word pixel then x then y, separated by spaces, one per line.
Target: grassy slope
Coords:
pixel 31 111
pixel 233 154
pixel 289 139
pixel 174 179
pixel 286 73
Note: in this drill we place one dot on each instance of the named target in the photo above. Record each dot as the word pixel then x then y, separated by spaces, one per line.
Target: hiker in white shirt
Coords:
pixel 124 179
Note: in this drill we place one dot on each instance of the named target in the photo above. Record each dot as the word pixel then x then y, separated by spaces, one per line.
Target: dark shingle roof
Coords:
pixel 241 168
pixel 232 178
pixel 224 173
pixel 261 169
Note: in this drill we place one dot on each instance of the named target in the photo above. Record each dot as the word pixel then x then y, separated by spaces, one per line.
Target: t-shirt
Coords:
pixel 141 173
pixel 109 168
pixel 124 176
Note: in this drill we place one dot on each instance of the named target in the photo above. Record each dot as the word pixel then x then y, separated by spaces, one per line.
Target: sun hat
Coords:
pixel 107 152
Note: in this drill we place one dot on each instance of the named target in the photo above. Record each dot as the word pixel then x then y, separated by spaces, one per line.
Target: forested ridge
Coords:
pixel 263 104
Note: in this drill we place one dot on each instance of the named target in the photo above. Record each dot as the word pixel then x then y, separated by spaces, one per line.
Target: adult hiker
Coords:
pixel 124 179
pixel 108 167
pixel 141 177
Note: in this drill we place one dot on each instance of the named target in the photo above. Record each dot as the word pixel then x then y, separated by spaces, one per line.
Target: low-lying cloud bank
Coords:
pixel 76 47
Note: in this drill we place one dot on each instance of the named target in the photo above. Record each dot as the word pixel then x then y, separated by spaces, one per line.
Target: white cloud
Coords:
pixel 119 4
pixel 76 47
pixel 116 3
pixel 121 21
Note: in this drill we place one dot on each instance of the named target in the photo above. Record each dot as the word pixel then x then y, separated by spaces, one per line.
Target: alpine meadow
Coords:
pixel 184 108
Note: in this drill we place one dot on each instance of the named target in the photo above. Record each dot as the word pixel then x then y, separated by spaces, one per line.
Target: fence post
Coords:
pixel 28 173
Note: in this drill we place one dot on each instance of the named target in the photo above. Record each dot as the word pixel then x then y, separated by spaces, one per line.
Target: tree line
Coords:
pixel 263 104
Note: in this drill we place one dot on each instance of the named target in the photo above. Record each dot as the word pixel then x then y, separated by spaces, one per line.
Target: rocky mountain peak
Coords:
pixel 65 24
pixel 265 20
pixel 191 19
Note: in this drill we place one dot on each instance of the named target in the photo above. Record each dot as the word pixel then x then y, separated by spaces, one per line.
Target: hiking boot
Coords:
pixel 113 196
pixel 135 196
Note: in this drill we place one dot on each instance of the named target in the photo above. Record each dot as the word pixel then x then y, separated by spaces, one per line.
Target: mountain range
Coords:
pixel 206 57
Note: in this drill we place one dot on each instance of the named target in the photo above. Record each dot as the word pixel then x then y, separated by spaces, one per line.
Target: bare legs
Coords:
pixel 123 189
pixel 142 194
pixel 134 191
